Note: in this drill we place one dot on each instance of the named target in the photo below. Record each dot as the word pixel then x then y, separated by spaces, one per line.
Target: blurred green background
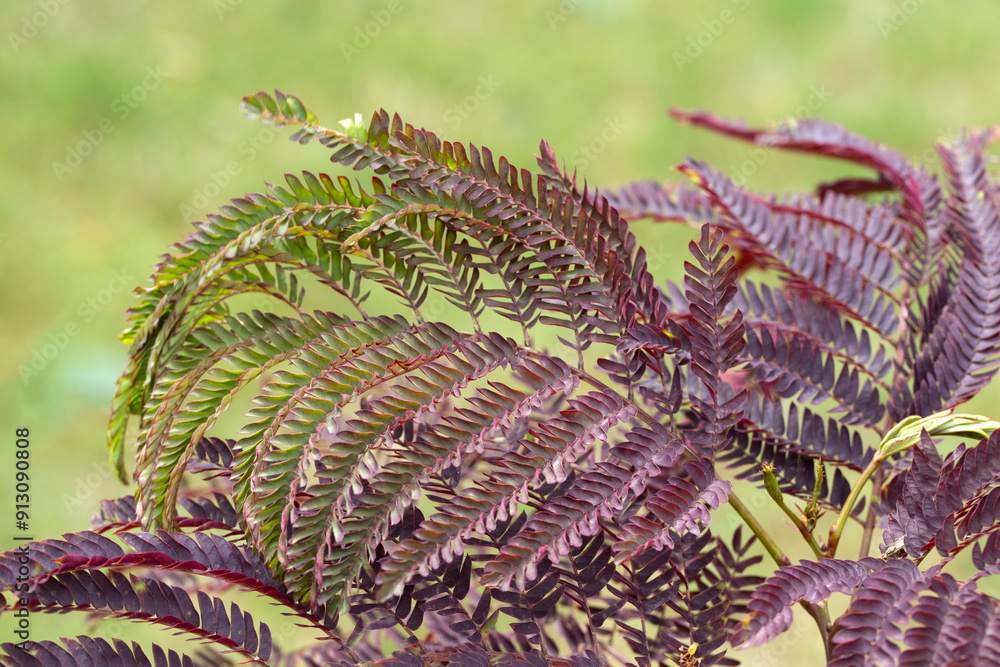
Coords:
pixel 121 124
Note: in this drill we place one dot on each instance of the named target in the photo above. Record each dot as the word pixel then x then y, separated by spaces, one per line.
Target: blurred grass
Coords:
pixel 560 71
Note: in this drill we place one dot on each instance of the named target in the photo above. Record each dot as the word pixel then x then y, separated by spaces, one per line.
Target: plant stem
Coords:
pixel 774 490
pixel 845 511
pixel 806 533
pixel 822 617
pixel 750 520
pixel 866 536
pixel 819 613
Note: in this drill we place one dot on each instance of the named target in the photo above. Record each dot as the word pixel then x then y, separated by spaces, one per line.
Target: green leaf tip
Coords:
pixel 906 433
pixel 277 110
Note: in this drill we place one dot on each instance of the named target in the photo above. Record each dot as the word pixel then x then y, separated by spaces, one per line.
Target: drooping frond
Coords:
pixel 818 137
pixel 701 582
pixel 201 553
pixel 241 350
pixel 152 601
pixel 254 245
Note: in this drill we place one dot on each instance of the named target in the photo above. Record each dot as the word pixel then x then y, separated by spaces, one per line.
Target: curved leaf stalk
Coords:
pixel 190 298
pixel 765 538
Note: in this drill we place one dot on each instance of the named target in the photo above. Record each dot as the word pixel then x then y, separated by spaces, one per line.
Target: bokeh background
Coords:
pixel 121 125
